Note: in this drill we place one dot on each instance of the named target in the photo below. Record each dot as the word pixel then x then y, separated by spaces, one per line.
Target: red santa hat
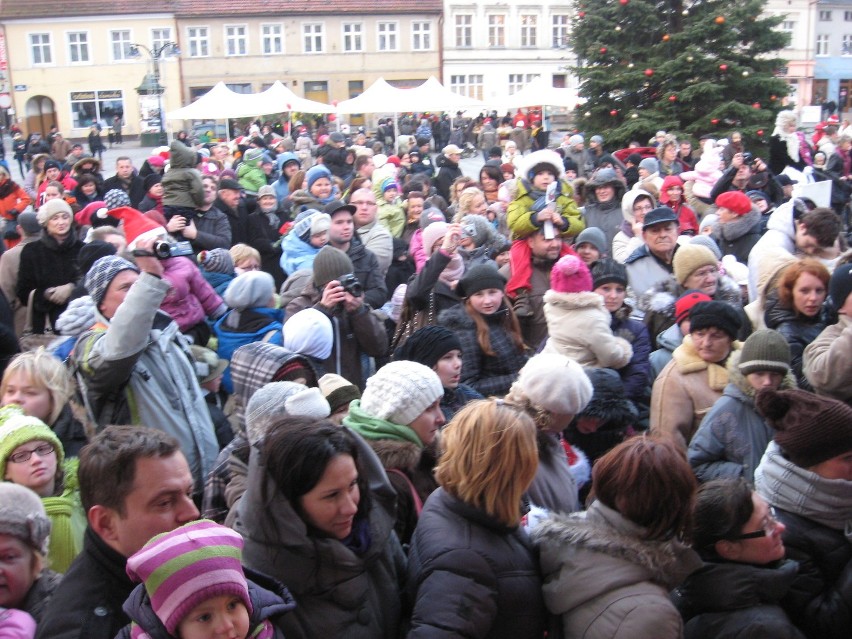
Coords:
pixel 137 226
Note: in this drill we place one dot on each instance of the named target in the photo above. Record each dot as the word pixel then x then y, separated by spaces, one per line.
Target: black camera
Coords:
pixel 351 285
pixel 165 250
pixel 748 158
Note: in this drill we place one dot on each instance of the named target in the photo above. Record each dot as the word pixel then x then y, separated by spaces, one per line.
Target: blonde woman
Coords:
pixel 471 569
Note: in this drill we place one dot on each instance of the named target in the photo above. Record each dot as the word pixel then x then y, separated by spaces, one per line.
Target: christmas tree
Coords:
pixel 690 67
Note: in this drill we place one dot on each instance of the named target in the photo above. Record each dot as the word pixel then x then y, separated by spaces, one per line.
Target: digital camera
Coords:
pixel 351 285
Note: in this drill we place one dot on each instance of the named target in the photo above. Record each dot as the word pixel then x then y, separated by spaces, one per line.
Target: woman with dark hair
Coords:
pixel 488 331
pixel 490 178
pixel 88 190
pixel 608 571
pixel 472 570
pixel 798 313
pixel 737 594
pixel 318 515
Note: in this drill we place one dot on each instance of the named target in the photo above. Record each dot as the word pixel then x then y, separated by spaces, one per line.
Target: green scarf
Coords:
pixel 370 427
pixel 67 521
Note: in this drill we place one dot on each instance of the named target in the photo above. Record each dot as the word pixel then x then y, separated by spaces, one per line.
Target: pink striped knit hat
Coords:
pixel 188 566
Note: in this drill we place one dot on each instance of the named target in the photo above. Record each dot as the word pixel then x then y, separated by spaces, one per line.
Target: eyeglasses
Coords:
pixel 24 456
pixel 710 271
pixel 646 208
pixel 362 203
pixel 769 526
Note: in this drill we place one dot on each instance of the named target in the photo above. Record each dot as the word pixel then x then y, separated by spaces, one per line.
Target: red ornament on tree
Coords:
pixel 723 67
pixel 602 49
pixel 756 105
pixel 623 1
pixel 666 37
pixel 649 72
pixel 773 97
pixel 581 14
pixel 614 112
pixel 672 98
pixel 720 20
pixel 714 121
pixel 760 132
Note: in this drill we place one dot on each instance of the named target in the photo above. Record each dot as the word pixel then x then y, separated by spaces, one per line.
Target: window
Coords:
pixel 312 37
pixel 120 41
pixel 78 47
pixel 41 49
pixel 272 39
pixel 496 31
pixel 529 31
pixel 159 37
pixel 239 87
pixel 421 36
pixel 469 85
pixel 353 34
pixel 822 44
pixel 847 16
pixel 199 41
pixel 235 39
pixel 88 107
pixel 825 16
pixel 464 31
pixel 387 36
pixel 518 81
pixel 847 44
pixel 561 30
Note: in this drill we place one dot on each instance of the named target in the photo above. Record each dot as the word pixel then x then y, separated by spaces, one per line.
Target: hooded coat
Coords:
pixel 605 581
pixel 625 242
pixel 728 600
pixel 732 437
pixel 190 299
pixel 685 391
pixel 182 182
pixel 339 593
pixel 579 328
pixel 799 331
pixel 604 215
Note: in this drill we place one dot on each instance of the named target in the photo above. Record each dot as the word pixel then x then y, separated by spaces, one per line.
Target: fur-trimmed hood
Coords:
pixel 627 203
pixel 545 156
pixel 573 301
pixel 662 297
pixel 396 454
pixel 736 378
pixel 608 551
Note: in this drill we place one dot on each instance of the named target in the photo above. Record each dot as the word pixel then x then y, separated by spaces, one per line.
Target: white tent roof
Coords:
pixel 537 92
pixel 434 96
pixel 379 97
pixel 278 98
pixel 217 104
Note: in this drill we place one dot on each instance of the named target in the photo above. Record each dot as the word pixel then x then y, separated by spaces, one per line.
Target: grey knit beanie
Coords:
pixel 330 264
pixel 282 399
pixel 249 290
pixel 765 350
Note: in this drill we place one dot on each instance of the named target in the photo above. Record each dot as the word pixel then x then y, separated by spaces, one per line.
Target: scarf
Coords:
pixel 359 540
pixel 453 271
pixel 784 485
pixel 738 227
pixel 373 428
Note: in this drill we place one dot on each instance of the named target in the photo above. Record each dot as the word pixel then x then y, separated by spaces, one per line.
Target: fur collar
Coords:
pixel 456 318
pixel 605 531
pixel 662 297
pixel 687 360
pixel 573 301
pixel 396 454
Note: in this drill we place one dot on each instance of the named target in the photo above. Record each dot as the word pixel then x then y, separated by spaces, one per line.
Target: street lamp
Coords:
pixel 151 82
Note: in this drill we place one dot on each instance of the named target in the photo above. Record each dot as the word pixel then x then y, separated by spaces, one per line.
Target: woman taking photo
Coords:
pixel 806 475
pixel 488 331
pixel 48 268
pixel 318 515
pixel 472 570
pixel 798 313
pixel 608 571
pixel 738 591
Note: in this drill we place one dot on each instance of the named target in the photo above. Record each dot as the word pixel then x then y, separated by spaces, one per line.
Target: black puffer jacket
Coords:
pixel 798 330
pixel 46 264
pixel 471 576
pixel 488 374
pixel 737 601
pixel 448 172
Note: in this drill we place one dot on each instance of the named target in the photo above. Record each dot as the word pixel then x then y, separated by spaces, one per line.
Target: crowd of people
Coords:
pixel 320 384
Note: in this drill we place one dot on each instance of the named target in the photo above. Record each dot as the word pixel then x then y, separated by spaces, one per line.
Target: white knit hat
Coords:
pixel 309 332
pixel 555 383
pixel 400 391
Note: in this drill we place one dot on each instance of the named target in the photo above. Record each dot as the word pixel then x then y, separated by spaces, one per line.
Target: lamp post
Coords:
pixel 151 82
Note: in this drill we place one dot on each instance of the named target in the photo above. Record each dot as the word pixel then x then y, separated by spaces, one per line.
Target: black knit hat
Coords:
pixel 606 271
pixel 715 315
pixel 427 345
pixel 810 429
pixel 151 179
pixel 478 278
pixel 765 350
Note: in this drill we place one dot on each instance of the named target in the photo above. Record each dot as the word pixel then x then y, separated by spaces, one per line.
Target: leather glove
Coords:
pixel 59 294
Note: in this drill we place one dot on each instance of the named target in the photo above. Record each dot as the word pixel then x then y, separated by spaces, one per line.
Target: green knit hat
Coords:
pixel 17 428
pixel 765 350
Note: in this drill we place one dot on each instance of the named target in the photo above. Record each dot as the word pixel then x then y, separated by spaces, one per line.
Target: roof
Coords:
pixel 16 9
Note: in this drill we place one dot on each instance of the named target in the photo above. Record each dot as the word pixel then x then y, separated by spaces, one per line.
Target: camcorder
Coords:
pixel 164 250
pixel 351 285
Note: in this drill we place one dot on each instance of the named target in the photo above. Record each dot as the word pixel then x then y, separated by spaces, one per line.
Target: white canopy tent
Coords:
pixel 218 103
pixel 379 97
pixel 278 99
pixel 434 96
